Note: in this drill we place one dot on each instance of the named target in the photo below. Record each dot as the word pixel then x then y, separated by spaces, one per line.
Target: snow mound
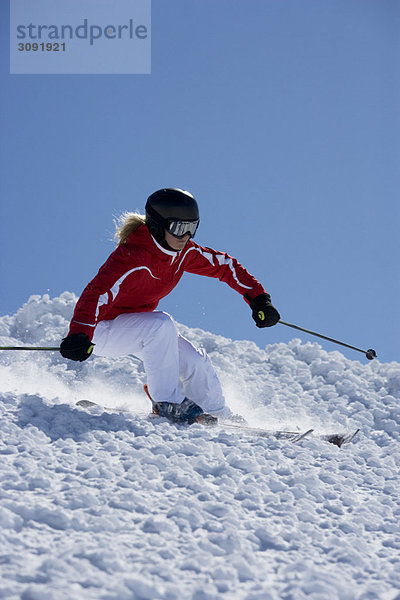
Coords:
pixel 106 504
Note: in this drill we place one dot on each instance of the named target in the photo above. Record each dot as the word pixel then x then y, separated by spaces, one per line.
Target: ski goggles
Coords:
pixel 180 228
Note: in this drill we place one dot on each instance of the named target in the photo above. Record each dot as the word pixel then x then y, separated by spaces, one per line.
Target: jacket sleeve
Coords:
pixel 212 263
pixel 96 293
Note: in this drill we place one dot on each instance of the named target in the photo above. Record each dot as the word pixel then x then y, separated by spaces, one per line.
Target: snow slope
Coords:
pixel 109 505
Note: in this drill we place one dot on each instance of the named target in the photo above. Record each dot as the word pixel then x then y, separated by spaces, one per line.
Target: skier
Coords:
pixel 116 313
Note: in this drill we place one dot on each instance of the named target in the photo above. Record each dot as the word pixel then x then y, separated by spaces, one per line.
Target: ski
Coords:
pixel 292 436
pixel 87 404
pixel 338 439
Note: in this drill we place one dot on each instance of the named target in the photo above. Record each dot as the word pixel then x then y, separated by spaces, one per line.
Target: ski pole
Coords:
pixel 28 348
pixel 370 354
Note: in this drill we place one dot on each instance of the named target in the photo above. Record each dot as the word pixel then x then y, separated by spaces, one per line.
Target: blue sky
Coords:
pixel 281 117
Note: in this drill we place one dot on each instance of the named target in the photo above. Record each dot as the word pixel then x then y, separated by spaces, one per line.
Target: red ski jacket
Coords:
pixel 140 272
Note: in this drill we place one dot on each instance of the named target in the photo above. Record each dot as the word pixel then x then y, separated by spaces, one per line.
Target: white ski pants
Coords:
pixel 175 369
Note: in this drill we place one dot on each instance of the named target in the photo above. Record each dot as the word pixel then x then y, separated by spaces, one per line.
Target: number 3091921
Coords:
pixel 42 47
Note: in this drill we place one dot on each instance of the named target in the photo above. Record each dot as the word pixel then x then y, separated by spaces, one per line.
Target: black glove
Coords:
pixel 76 346
pixel 264 314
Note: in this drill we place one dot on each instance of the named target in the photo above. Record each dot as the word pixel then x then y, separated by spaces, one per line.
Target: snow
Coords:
pixel 107 504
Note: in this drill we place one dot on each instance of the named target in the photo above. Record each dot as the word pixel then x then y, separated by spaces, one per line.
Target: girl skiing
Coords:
pixel 116 313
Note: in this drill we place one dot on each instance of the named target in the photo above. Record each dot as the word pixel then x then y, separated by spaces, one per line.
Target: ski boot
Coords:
pixel 186 412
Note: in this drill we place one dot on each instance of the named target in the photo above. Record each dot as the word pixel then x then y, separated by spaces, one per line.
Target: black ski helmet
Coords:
pixel 166 205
